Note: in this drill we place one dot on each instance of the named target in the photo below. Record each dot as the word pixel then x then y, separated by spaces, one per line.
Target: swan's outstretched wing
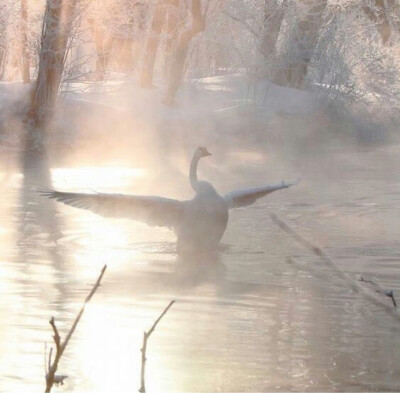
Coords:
pixel 241 198
pixel 152 210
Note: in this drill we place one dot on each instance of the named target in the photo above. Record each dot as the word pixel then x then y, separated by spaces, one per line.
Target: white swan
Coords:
pixel 199 223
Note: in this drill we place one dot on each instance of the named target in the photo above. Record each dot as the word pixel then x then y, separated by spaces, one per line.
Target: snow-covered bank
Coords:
pixel 206 96
pixel 103 114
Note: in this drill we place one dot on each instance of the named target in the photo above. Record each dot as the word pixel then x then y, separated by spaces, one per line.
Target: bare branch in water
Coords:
pixel 51 377
pixel 379 289
pixel 146 336
pixel 354 285
pixel 49 364
pixel 56 336
pixel 46 367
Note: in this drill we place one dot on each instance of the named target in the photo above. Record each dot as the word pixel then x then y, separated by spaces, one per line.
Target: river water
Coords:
pixel 245 319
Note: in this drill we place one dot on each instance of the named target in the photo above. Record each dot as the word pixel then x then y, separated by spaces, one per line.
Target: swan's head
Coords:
pixel 202 152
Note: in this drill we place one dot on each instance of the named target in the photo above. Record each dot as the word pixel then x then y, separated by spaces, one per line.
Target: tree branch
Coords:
pixel 51 377
pixel 146 336
pixel 354 285
pixel 56 336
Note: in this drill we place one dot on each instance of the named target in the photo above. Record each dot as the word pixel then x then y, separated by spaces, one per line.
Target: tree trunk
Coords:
pixel 57 25
pixel 305 41
pixel 3 61
pixel 178 62
pixel 380 15
pixel 25 60
pixel 3 47
pixel 268 38
pixel 153 41
pixel 126 60
pixel 271 28
pixel 103 43
pixel 172 30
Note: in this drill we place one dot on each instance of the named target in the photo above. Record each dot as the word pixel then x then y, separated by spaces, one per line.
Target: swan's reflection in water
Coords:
pixel 166 273
pixel 197 268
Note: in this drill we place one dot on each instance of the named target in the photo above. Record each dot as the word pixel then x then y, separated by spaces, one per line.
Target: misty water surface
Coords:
pixel 245 319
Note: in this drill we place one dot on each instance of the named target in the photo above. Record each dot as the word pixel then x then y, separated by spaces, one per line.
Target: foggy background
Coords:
pixel 115 96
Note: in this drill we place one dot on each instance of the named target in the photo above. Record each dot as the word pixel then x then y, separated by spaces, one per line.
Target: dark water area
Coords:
pixel 245 319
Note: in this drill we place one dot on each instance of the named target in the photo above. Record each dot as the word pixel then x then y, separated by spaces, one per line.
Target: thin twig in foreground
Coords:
pixel 51 377
pixel 354 285
pixel 146 335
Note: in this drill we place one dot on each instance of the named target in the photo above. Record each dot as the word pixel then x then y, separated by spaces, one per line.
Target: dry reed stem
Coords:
pixel 51 376
pixel 146 335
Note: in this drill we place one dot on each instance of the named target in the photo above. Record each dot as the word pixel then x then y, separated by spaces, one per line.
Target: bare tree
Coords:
pixel 25 60
pixel 381 13
pixel 271 26
pixel 179 57
pixel 5 17
pixel 302 44
pixel 102 42
pixel 56 29
pixel 172 31
pixel 153 42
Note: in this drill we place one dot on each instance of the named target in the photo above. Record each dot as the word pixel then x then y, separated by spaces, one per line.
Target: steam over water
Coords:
pixel 114 96
pixel 245 318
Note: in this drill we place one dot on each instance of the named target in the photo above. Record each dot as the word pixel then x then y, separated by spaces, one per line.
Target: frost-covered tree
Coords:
pixel 20 25
pixel 385 16
pixel 304 20
pixel 345 49
pixel 164 16
pixel 176 70
pixel 117 28
pixel 352 61
pixel 56 29
pixel 25 56
pixel 4 23
pixel 306 44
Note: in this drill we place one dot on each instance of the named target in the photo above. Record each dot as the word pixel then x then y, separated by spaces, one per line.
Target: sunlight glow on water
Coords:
pixel 244 320
pixel 117 360
pixel 113 368
pixel 92 177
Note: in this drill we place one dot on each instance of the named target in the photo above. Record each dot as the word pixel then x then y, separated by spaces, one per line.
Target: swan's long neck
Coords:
pixel 193 171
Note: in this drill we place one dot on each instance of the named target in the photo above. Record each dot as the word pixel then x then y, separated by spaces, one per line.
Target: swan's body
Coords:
pixel 199 223
pixel 204 220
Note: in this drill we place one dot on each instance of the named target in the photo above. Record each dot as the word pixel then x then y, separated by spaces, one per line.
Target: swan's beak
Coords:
pixel 207 153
